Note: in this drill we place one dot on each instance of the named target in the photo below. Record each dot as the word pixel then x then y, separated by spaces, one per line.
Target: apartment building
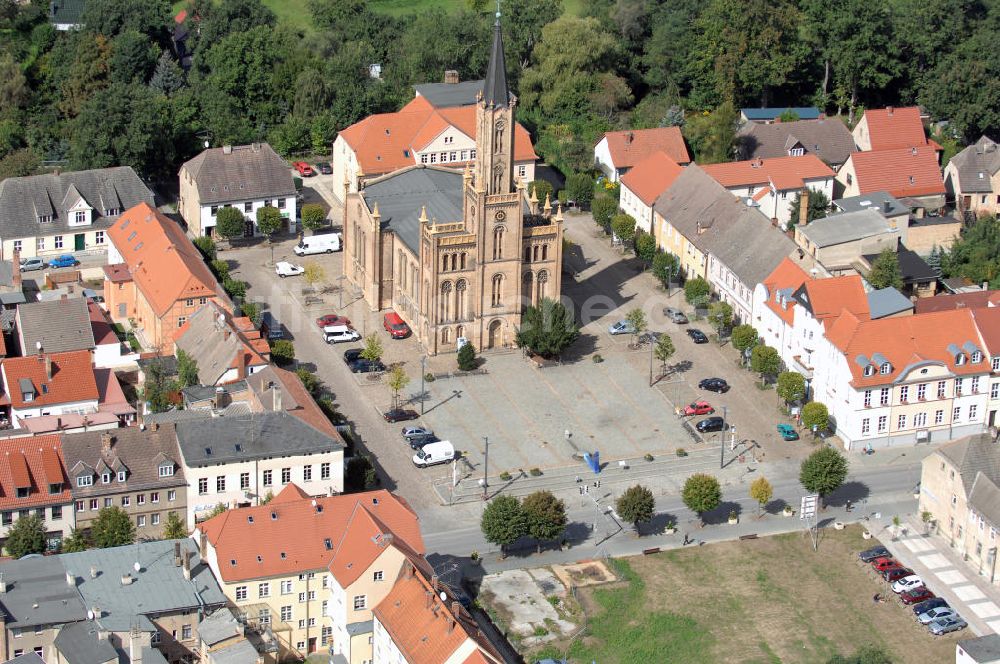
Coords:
pixel 33 482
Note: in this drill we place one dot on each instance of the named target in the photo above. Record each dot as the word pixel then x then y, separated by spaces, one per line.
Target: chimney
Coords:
pixel 127 579
pixel 241 364
pixel 889 110
pixel 93 571
pixel 886 206
pixel 135 647
pixel 186 564
pixel 16 272
pixel 430 598
pixel 3 584
pixel 48 367
pixel 202 544
pixel 698 228
pixel 177 554
pixel 804 207
pixel 70 579
pixel 277 399
pixel 227 149
pixel 456 609
pixel 107 442
pixel 154 426
pixel 451 76
pixel 434 582
pixel 255 147
pixel 629 137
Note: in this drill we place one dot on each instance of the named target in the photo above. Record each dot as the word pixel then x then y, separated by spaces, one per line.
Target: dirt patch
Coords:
pixel 590 573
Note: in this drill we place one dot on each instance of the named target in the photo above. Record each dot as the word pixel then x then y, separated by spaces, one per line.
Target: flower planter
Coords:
pixel 867 535
pixel 733 522
pixel 838 525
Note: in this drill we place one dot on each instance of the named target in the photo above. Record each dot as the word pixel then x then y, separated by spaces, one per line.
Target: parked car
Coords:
pixel 395 326
pixel 915 596
pixel 882 564
pixel 699 408
pixel 946 625
pixel 907 583
pixel 934 613
pixel 332 319
pixel 621 327
pixel 337 334
pixel 304 169
pixel 400 415
pixel 414 432
pixel 327 243
pixel 697 335
pixel 714 385
pixel 91 294
pixel 441 451
pixel 418 442
pixel 361 365
pixel 675 315
pixel 32 264
pixel 285 269
pixel 351 355
pixel 875 552
pixel 710 424
pixel 894 574
pixel 324 168
pixel 927 605
pixel 787 432
pixel 66 260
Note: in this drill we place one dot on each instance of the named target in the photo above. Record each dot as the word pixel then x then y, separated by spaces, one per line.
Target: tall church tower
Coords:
pixel 495 124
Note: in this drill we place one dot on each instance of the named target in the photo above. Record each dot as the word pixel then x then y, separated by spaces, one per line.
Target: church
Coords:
pixel 457 253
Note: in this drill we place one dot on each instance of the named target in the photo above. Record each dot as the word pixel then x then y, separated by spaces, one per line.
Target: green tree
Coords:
pixel 168 77
pixel 112 17
pixel 636 505
pixel 541 188
pixel 637 319
pixel 373 348
pixel 397 380
pixel 75 542
pixel 157 386
pixel 310 381
pixel 603 209
pixel 765 361
pixel 313 217
pixel 976 254
pixel 720 316
pixel 503 522
pixel 220 268
pixel 666 268
pixel 663 351
pixel 230 223
pixel 701 494
pixel 547 329
pixel 27 535
pixel 313 273
pixel 696 291
pixel 580 189
pixel 133 57
pixel 467 358
pixel 815 416
pixel 187 369
pixel 545 516
pixel 712 135
pixel 645 246
pixel 282 351
pixel 761 491
pixel 823 471
pixel 816 207
pixel 791 386
pixel 112 527
pixel 885 271
pixel 268 220
pixel 623 226
pixel 744 337
pixel 19 163
pixel 206 246
pixel 360 474
pixel 174 528
pixel 221 508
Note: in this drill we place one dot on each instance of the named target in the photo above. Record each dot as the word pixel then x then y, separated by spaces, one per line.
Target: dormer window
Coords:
pixel 885 369
pixel 870 370
pixel 79 217
pixel 110 212
pixel 85 480
pixel 105 478
pixel 977 357
pixel 121 475
pixel 55 488
pixel 960 359
pixel 166 470
pixel 45 218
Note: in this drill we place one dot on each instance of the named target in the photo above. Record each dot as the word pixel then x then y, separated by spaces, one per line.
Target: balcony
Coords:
pixel 799 366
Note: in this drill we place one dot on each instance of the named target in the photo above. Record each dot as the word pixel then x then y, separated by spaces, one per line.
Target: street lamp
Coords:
pixel 423 372
pixel 486 467
pixel 651 347
pixel 722 443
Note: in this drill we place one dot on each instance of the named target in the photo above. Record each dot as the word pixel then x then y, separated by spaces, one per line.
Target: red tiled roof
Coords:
pixel 652 176
pixel 117 273
pixel 787 276
pixel 828 298
pixel 32 463
pixel 988 321
pixel 72 378
pixel 631 146
pixel 104 334
pixel 891 128
pixel 236 538
pixel 972 300
pixel 902 172
pixel 783 172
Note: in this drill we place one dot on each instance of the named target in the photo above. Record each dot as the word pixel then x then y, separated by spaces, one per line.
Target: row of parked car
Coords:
pixel 32 264
pixel 928 609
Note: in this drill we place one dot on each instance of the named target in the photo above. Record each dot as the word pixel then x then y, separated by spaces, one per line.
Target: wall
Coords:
pixel 602 159
pixel 342 612
pixel 633 205
pixel 162 507
pixel 29 247
pixel 81 407
pixel 28 641
pixel 923 239
pixel 188 203
pixel 61 525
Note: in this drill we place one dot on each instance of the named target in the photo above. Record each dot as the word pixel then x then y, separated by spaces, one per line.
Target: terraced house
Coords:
pixel 33 482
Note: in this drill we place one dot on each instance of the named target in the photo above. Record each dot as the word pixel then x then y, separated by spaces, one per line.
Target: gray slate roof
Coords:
pixel 362 627
pixel 81 643
pixel 447 95
pixel 830 140
pixel 66 12
pixel 973 454
pixel 26 658
pixel 982 648
pixel 401 195
pixel 495 92
pixel 240 652
pixel 912 267
pixel 218 627
pixel 845 227
pixel 212 344
pixel 985 499
pixel 214 440
pixel 247 172
pixel 885 203
pixel 976 164
pixel 58 325
pixel 753 248
pixel 140 452
pixel 23 200
pixel 159 587
pixel 40 581
pixel 886 302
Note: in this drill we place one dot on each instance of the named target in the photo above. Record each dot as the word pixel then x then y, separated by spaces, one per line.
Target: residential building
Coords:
pixel 972 178
pixel 929 231
pixel 919 278
pixel 775 309
pixel 238 461
pixel 960 487
pixel 417 622
pixel 67 324
pixel 34 482
pixel 773 185
pixel 225 348
pixel 223 640
pixel 891 128
pixel 276 389
pixel 155 278
pixel 244 177
pixel 978 650
pixel 37 602
pixel 828 139
pixel 838 241
pixel 773 115
pixel 619 151
pixel 975 299
pixel 134 469
pixel 910 174
pixel 66 14
pixel 450 93
pixel 49 384
pixel 642 184
pixel 316 589
pixel 988 321
pixel 48 215
pixel 882 202
pixel 457 254
pixel 919 231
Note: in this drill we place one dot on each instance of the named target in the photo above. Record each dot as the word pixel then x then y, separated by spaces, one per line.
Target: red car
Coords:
pixel 699 408
pixel 894 574
pixel 916 596
pixel 332 319
pixel 882 564
pixel 304 169
pixel 395 326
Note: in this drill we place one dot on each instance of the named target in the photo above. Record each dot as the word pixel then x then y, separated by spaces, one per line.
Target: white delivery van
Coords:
pixel 318 244
pixel 335 334
pixel 441 451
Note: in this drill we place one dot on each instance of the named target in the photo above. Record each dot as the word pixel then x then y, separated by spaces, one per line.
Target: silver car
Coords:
pixel 936 614
pixel 676 315
pixel 946 625
pixel 32 264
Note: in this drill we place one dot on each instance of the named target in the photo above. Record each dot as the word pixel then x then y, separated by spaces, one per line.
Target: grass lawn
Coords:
pixel 760 601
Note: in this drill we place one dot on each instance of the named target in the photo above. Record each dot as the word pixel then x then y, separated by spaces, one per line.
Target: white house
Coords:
pixel 34 482
pixel 619 151
pixel 641 186
pixel 50 384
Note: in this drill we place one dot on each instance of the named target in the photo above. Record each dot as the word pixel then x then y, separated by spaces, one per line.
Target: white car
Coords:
pixel 285 269
pixel 907 583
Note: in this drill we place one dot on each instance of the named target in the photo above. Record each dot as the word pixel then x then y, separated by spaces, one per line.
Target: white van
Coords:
pixel 318 244
pixel 441 451
pixel 335 334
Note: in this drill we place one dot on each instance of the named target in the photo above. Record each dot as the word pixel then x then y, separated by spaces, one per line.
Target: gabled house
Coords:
pixel 225 349
pixel 275 389
pixel 48 215
pixel 54 326
pixel 972 178
pixel 36 605
pixel 156 278
pixel 773 115
pixel 775 310
pixel 828 139
pixel 891 128
pixel 911 174
pixel 641 186
pixel 244 177
pixel 49 384
pixel 619 151
pixel 33 481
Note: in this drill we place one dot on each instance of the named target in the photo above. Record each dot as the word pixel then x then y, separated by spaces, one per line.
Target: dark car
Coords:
pixel 714 385
pixel 361 365
pixel 915 596
pixel 697 335
pixel 928 604
pixel 894 574
pixel 871 554
pixel 324 168
pixel 351 355
pixel 710 424
pixel 416 442
pixel 400 415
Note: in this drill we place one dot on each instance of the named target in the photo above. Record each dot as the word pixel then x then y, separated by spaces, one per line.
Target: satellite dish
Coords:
pixel 444 596
pixel 90 615
pixel 136 566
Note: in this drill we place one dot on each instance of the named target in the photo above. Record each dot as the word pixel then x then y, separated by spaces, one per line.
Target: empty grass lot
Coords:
pixel 761 601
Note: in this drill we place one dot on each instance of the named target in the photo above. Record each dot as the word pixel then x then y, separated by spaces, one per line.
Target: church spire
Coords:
pixel 495 92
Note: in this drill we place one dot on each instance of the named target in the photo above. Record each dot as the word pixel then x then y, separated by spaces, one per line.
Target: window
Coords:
pixel 901 422
pixel 155 638
pixel 938 416
pixel 99 237
pixel 264 616
pixel 941 389
pixel 307 473
pixel 264 589
pixel 80 506
pixel 140 521
pixel 797 152
pixel 921 391
pixel 885 369
pixel 202 300
pixel 883 397
pixel 202 486
pixel 302 597
pixel 185 632
pixel 105 478
pixel 311 622
pixel 214 210
pixel 975 384
pixel 241 593
pixel 958 387
pixel 522 171
pixel 220 483
pixel 883 423
pixel 267 478
pixel 956 414
pixel 995 391
pixel 323 607
pixel 434 157
pixel 324 471
pixel 40 244
pixel 126 501
pixel 155 519
pixel 286 475
pixel 281 203
pixel 166 470
pixel 423 159
pixel 59 241
pixel 122 475
pixel 171 495
pixel 286 613
pixel 17 247
pixel 360 601
pixel 85 480
pixel 189 302
pixel 973 411
pixel 850 180
pixel 56 512
pixel 8 517
pixel 286 587
pixel 108 502
pixel 312 595
pixel 93 505
pixel 920 420
pixel 904 393
pixel 995 362
pixel 377 576
pixel 181 320
pixel 247 207
pixel 244 481
pixel 140 499
pixel 977 357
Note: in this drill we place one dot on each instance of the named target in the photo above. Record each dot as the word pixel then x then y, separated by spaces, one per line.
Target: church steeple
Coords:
pixel 494 165
pixel 495 92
